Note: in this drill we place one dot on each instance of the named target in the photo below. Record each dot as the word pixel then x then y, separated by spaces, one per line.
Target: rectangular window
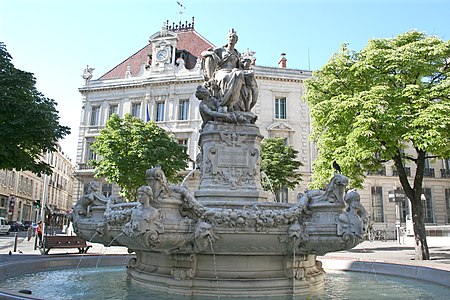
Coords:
pixel 183 142
pixel 445 172
pixel 405 210
pixel 280 108
pixel 447 204
pixel 95 115
pixel 90 155
pixel 107 189
pixel 377 204
pixel 136 109
pixel 183 113
pixel 159 112
pixel 113 109
pixel 282 195
pixel 427 204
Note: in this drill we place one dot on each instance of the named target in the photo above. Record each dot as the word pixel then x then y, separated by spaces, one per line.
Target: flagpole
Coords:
pixel 147 113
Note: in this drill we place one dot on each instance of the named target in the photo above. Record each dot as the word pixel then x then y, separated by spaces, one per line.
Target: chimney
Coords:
pixel 282 62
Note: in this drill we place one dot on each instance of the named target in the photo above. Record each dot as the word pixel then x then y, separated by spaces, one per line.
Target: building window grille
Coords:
pixel 377 204
pixel 427 204
pixel 183 113
pixel 381 172
pixel 407 170
pixel 95 115
pixel 159 112
pixel 136 110
pixel 113 109
pixel 280 108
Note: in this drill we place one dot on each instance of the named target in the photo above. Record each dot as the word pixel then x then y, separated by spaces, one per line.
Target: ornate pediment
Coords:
pixel 163 34
pixel 279 126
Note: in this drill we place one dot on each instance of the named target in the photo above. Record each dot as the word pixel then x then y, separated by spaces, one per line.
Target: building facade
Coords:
pixel 158 83
pixel 22 193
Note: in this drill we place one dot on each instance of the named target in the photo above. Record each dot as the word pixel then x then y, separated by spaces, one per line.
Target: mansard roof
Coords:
pixel 188 39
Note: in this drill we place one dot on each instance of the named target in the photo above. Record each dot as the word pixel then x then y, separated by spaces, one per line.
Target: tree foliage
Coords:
pixel 279 162
pixel 127 147
pixel 29 121
pixel 388 102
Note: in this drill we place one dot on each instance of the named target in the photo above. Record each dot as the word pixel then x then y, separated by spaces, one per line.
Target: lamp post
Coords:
pixel 397 195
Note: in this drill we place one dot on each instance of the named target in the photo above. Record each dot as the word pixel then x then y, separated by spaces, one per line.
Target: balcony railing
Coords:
pixel 381 172
pixel 445 173
pixel 428 172
pixel 85 167
pixel 407 170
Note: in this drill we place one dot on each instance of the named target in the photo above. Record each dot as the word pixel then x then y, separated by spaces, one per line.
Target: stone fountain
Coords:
pixel 225 239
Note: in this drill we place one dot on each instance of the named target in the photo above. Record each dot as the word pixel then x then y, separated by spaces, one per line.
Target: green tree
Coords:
pixel 29 122
pixel 388 102
pixel 128 147
pixel 279 163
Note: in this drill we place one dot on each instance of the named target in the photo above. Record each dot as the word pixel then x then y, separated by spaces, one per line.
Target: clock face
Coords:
pixel 162 54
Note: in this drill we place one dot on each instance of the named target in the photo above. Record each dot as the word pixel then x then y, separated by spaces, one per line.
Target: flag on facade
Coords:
pixel 147 114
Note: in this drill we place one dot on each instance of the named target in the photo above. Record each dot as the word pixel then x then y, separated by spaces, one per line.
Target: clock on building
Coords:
pixel 162 54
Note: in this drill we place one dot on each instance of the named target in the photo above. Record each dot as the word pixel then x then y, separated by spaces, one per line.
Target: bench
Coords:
pixel 63 242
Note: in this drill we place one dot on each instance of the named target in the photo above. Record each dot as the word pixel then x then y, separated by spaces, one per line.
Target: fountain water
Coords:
pixel 267 179
pixel 261 249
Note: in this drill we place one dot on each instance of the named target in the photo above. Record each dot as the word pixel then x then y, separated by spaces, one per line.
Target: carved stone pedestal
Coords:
pixel 234 276
pixel 230 164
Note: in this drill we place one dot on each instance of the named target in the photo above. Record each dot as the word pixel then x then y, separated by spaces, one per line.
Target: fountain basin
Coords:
pixel 336 288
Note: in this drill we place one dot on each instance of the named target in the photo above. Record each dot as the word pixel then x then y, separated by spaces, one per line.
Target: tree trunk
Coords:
pixel 420 237
pixel 414 194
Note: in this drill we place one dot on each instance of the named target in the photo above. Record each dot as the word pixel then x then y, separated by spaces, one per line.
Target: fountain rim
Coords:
pixel 23 267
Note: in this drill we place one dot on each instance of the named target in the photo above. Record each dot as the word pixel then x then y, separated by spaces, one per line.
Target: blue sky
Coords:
pixel 56 39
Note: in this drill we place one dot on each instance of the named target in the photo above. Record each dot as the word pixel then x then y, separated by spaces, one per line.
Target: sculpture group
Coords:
pixel 210 242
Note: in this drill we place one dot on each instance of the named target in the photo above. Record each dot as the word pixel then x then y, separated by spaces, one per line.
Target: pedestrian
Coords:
pixel 39 230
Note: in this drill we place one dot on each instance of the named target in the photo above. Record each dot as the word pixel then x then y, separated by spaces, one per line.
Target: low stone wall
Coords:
pixel 408 271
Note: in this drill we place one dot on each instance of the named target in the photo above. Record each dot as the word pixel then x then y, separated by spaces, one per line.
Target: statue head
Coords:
pixel 145 195
pixel 156 180
pixel 94 186
pixel 232 36
pixel 352 196
pixel 202 92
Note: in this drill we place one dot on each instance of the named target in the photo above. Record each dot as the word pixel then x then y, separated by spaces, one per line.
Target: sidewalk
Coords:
pixel 395 253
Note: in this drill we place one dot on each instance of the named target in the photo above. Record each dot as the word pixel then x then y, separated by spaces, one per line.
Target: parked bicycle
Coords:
pixel 377 235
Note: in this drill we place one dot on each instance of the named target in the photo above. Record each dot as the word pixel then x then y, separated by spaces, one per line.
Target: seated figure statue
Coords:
pixel 228 77
pixel 208 107
pixel 92 197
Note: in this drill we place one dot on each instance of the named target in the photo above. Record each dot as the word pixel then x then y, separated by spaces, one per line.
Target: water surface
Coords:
pixel 112 283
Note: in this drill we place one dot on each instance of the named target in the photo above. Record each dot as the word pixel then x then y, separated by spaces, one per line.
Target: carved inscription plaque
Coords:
pixel 232 157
